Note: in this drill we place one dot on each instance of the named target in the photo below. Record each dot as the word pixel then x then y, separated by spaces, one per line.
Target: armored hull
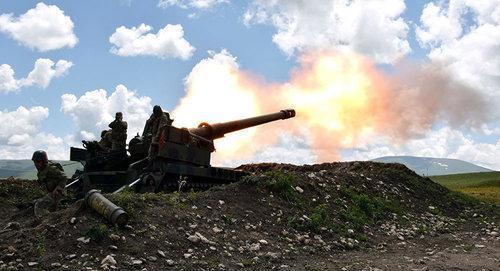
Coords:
pixel 180 159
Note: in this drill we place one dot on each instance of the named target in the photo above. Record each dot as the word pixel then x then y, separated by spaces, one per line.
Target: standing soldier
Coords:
pixel 52 180
pixel 153 127
pixel 118 133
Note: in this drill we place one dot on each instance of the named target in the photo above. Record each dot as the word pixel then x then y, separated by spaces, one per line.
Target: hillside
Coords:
pixel 428 166
pixel 483 185
pixel 25 169
pixel 338 216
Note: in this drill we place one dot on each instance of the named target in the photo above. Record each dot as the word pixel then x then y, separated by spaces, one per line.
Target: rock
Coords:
pixel 12 226
pixel 479 246
pixel 70 256
pixel 221 266
pixel 272 255
pixel 263 242
pixel 152 258
pixel 113 247
pixel 170 262
pixel 350 231
pixel 161 253
pixel 55 265
pixel 221 202
pixel 108 261
pixel 254 247
pixel 298 189
pixel 31 264
pixel 187 255
pixel 114 237
pixel 240 265
pixel 72 220
pixel 136 262
pixel 494 233
pixel 194 239
pixel 204 239
pixel 83 240
pixel 216 230
pixel 213 248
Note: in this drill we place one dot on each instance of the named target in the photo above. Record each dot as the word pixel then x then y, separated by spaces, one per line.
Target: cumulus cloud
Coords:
pixel 136 41
pixel 94 110
pixel 56 147
pixel 21 124
pixel 444 142
pixel 42 74
pixel 374 28
pixel 44 27
pixel 464 37
pixel 185 4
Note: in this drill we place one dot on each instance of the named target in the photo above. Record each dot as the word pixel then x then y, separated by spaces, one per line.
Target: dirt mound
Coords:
pixel 313 217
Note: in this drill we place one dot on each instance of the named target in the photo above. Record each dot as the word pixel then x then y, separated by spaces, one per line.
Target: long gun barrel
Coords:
pixel 218 130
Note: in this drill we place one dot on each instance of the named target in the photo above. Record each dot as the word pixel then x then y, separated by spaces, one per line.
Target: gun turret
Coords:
pixel 218 130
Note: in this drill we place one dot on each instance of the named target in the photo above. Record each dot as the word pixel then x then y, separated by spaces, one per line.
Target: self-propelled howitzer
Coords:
pixel 181 157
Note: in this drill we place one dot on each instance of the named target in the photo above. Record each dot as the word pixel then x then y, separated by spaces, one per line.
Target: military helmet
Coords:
pixel 40 156
pixel 157 110
pixel 119 114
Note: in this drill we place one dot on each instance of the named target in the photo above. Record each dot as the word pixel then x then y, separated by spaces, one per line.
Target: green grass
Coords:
pixel 13 193
pixel 483 185
pixel 133 202
pixel 98 233
pixel 367 210
pixel 283 184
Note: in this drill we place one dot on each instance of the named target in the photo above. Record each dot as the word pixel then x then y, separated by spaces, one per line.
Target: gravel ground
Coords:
pixel 336 216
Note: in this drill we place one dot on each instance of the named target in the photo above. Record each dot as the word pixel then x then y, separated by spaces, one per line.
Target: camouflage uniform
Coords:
pixel 154 126
pixel 118 133
pixel 53 181
pixel 106 140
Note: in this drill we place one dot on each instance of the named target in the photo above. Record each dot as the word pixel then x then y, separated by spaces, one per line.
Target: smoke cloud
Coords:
pixel 342 100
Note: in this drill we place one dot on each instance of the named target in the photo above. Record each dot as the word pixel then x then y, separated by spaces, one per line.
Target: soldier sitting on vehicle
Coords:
pixel 52 179
pixel 153 127
pixel 118 133
pixel 106 141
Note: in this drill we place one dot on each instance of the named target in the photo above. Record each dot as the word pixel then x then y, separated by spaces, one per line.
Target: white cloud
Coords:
pixel 43 72
pixel 185 4
pixel 94 110
pixel 7 81
pixel 464 37
pixel 374 28
pixel 445 142
pixel 135 41
pixel 57 148
pixel 21 124
pixel 44 28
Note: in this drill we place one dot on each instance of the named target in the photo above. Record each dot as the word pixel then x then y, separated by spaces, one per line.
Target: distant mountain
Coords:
pixel 26 170
pixel 429 166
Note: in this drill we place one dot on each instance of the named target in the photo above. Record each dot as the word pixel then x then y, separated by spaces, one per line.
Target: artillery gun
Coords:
pixel 182 159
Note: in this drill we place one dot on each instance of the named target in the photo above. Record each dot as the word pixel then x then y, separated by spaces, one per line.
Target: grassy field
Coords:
pixel 483 185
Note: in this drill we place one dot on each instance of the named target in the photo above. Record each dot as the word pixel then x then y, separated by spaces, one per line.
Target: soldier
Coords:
pixel 52 180
pixel 106 140
pixel 118 133
pixel 153 127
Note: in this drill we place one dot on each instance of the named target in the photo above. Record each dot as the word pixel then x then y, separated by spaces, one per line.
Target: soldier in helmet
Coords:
pixel 106 140
pixel 153 127
pixel 118 133
pixel 52 179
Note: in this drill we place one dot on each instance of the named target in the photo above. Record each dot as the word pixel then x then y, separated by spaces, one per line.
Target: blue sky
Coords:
pixel 247 31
